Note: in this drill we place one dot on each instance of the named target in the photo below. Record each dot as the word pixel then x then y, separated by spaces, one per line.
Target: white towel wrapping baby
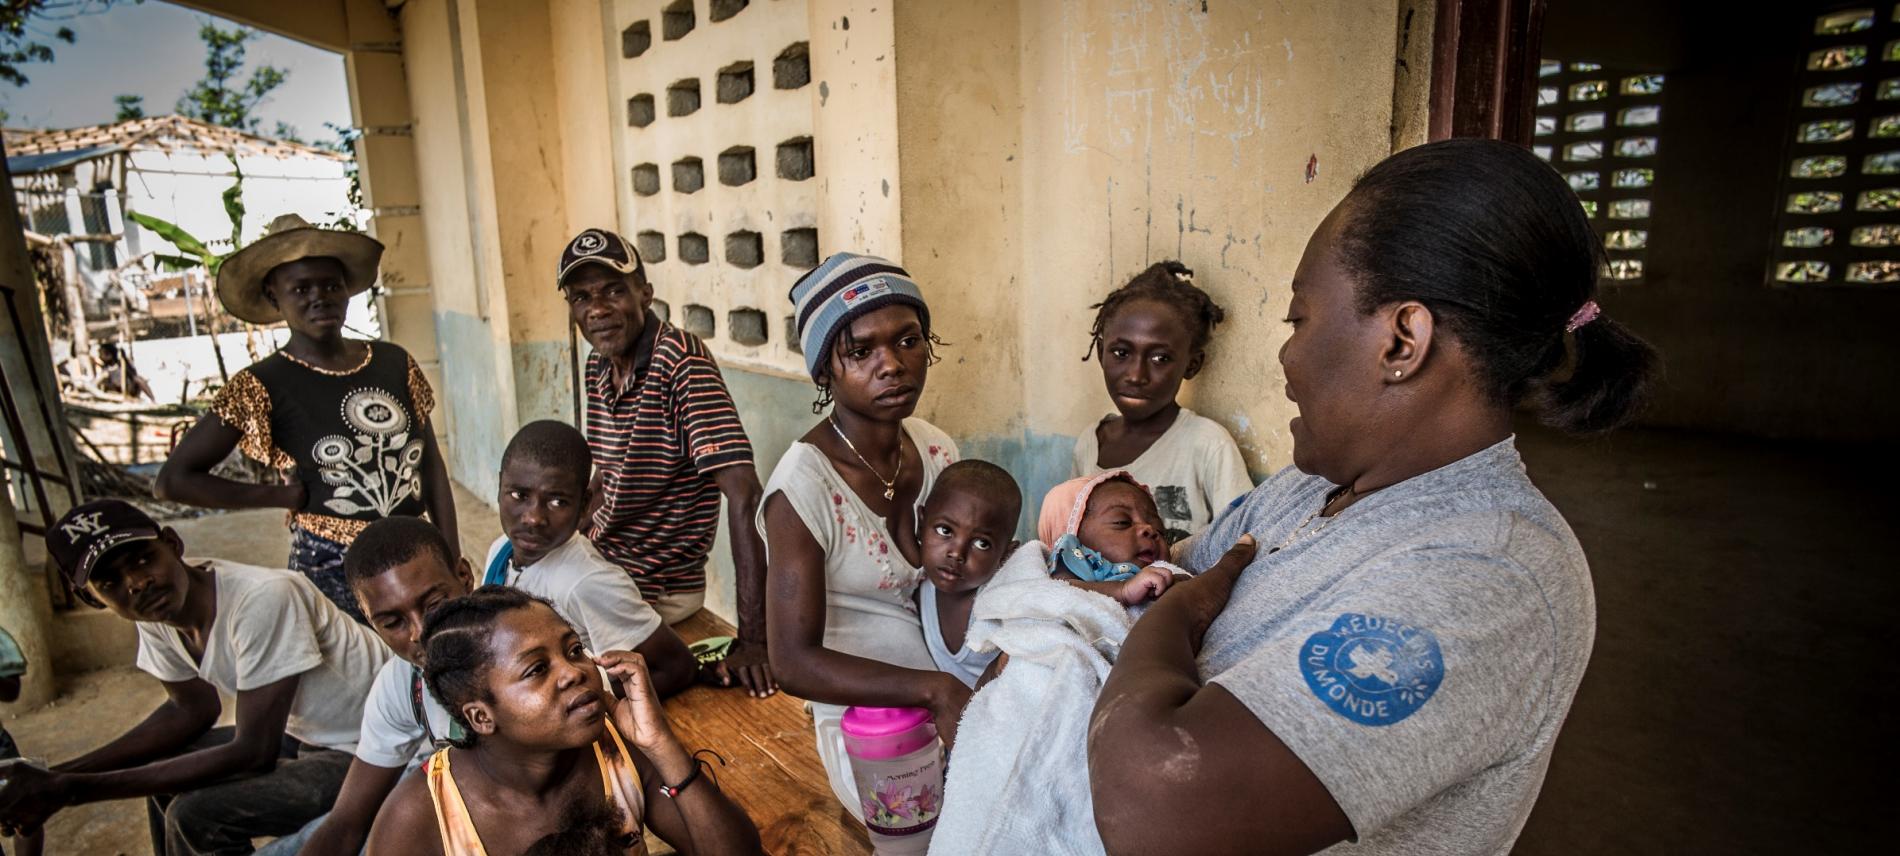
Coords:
pixel 1019 780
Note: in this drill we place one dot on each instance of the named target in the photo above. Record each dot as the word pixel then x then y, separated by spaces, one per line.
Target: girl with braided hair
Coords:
pixel 1149 336
pixel 550 762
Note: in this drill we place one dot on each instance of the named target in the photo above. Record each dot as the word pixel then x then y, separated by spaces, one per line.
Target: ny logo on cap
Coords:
pixel 82 525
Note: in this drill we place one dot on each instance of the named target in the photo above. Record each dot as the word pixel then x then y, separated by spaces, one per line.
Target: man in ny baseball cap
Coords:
pixel 207 629
pixel 85 534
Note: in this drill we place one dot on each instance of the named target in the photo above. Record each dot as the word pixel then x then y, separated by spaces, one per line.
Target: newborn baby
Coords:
pixel 1106 535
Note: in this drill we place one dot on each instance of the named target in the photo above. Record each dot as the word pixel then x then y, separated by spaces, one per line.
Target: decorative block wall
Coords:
pixel 713 149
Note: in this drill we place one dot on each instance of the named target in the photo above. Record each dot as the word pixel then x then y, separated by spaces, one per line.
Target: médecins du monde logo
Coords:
pixel 1372 670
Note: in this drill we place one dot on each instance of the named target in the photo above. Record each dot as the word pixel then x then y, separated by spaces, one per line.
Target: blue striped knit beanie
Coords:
pixel 845 287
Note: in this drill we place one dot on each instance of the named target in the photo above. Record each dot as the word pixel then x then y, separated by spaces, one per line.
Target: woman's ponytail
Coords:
pixel 1603 382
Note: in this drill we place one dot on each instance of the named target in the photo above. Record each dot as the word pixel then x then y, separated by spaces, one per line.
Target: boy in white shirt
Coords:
pixel 298 666
pixel 544 492
pixel 399 570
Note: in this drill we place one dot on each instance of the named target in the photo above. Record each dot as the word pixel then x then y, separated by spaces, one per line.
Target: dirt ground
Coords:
pixel 1735 702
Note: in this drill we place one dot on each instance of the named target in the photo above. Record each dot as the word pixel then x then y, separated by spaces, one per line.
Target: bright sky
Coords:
pixel 152 49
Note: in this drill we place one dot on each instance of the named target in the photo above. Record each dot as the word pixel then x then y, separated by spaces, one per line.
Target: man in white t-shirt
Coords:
pixel 298 666
pixel 399 570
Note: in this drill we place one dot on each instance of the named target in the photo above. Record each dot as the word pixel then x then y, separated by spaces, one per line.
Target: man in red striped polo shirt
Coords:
pixel 668 444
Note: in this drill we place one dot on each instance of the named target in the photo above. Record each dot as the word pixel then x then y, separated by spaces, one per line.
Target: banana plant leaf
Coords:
pixel 234 203
pixel 176 263
pixel 172 232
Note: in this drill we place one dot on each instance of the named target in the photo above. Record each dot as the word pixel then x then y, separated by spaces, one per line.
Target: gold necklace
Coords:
pixel 368 352
pixel 890 484
pixel 1300 530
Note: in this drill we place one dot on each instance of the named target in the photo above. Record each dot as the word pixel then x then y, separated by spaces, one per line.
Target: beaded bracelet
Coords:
pixel 673 791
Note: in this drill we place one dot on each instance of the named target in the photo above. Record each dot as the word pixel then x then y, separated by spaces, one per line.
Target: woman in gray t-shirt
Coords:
pixel 1382 663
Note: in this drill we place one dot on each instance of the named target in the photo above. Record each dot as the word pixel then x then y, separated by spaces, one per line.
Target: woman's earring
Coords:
pixel 1397 372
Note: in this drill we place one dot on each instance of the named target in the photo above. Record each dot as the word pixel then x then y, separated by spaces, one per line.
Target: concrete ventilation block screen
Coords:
pixel 677 20
pixel 746 326
pixel 792 69
pixel 689 175
pixel 738 165
pixel 646 179
pixel 651 245
pixel 735 83
pixel 794 159
pixel 699 321
pixel 663 309
pixel 791 335
pixel 745 249
pixel 635 39
pixel 695 251
pixel 682 98
pixel 799 247
pixel 723 9
pixel 640 111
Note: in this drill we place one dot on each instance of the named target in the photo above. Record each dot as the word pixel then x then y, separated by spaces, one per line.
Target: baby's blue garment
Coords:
pixel 1088 565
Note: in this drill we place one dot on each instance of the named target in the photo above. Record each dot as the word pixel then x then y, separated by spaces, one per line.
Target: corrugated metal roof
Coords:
pixel 46 161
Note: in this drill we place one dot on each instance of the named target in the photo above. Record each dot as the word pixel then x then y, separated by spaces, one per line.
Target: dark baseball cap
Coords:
pixel 88 532
pixel 600 247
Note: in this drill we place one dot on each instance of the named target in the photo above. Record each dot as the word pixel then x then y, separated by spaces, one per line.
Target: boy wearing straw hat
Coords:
pixel 348 418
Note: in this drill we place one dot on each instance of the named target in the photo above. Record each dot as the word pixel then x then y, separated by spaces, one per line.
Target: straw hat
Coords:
pixel 287 239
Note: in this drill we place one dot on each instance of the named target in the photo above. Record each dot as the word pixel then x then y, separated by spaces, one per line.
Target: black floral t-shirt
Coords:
pixel 354 439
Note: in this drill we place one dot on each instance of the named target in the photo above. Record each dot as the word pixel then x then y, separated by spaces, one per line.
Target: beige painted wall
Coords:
pixel 855 94
pixel 580 49
pixel 960 115
pixel 1051 150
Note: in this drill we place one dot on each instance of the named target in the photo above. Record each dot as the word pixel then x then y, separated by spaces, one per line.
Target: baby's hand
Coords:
pixel 1146 585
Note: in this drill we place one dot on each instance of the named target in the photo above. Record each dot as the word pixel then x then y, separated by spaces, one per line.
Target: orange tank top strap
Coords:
pixel 451 814
pixel 620 780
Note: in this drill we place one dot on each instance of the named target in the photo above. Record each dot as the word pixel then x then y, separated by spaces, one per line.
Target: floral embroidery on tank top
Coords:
pixel 877 545
pixel 379 466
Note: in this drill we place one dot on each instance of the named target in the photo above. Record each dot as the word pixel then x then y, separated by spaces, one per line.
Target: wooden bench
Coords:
pixel 772 769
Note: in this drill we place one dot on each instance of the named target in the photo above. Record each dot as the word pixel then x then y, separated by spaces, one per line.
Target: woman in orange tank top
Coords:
pixel 551 762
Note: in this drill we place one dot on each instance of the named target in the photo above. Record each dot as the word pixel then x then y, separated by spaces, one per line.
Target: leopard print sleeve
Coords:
pixel 244 404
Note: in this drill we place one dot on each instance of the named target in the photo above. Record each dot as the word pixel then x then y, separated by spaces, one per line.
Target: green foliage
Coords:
pixel 234 201
pixel 192 251
pixel 129 107
pixel 23 38
pixel 219 97
pixel 343 142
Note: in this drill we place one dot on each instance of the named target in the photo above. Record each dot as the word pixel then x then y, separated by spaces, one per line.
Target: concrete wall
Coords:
pixel 1739 354
pixel 1049 151
pixel 722 204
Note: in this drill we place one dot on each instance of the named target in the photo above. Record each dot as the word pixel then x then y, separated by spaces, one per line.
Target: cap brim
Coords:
pixel 593 260
pixel 104 547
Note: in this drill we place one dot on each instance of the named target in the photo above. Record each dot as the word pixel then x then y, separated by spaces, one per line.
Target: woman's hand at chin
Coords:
pixel 637 713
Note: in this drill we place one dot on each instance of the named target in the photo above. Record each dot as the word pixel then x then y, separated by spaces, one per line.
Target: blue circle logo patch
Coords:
pixel 1372 670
